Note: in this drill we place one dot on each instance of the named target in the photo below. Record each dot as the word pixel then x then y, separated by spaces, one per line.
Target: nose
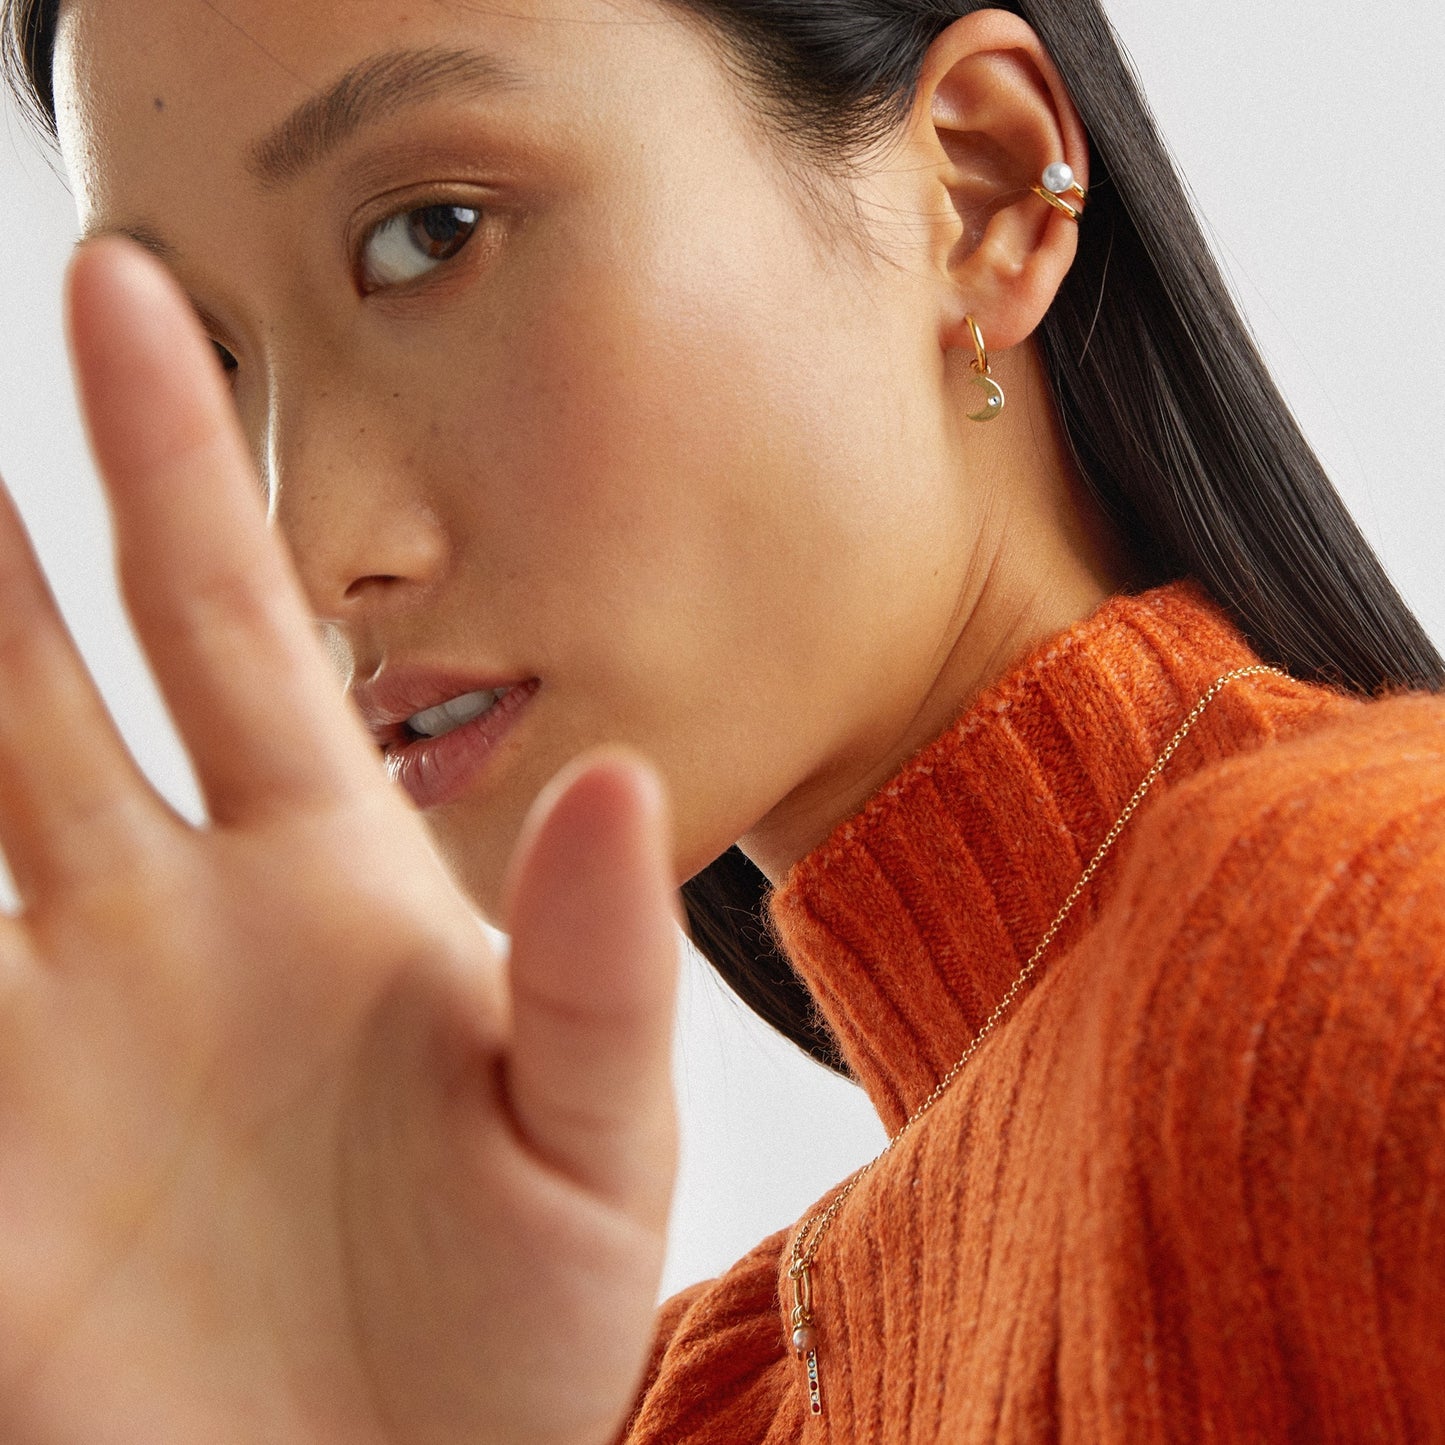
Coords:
pixel 354 510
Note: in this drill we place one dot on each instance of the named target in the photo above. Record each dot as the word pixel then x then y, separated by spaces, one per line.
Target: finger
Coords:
pixel 214 600
pixel 593 970
pixel 71 796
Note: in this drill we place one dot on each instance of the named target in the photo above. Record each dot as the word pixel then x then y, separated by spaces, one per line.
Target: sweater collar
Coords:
pixel 911 920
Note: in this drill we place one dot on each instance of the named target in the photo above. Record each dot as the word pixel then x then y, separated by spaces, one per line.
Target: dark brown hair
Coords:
pixel 1173 419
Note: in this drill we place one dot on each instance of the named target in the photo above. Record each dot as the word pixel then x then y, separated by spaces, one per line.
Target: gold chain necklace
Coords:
pixel 807 1239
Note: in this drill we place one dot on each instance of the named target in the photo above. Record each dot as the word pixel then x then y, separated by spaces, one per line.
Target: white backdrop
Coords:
pixel 1311 139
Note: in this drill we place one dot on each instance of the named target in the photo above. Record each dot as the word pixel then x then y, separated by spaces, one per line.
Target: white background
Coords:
pixel 1311 138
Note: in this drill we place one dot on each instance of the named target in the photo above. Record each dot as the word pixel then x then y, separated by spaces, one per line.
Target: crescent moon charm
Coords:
pixel 994 406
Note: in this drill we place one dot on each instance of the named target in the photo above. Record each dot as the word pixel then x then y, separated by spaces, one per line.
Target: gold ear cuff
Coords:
pixel 1058 181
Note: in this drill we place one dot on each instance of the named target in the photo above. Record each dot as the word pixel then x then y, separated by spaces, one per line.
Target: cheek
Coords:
pixel 690 482
pixel 695 427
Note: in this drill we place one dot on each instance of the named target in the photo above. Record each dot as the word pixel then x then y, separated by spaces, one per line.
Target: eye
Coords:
pixel 414 243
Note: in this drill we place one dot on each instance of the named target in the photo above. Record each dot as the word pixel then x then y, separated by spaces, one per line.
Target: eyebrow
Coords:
pixel 372 91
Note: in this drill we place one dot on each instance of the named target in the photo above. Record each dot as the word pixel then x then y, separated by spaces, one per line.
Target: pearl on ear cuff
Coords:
pixel 1059 180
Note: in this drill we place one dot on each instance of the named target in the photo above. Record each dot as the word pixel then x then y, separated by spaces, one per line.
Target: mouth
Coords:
pixel 437 735
pixel 456 712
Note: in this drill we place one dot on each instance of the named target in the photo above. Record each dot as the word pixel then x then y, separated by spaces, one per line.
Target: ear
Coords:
pixel 991 113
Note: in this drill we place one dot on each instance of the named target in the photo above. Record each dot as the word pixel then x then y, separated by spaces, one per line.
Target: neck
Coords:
pixel 996 630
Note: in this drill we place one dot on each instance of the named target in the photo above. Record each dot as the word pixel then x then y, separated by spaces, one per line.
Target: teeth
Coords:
pixel 437 722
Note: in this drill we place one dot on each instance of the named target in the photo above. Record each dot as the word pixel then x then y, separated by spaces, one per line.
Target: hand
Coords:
pixel 286 1152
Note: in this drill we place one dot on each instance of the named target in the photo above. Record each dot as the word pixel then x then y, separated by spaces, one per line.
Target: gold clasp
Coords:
pixel 802 1277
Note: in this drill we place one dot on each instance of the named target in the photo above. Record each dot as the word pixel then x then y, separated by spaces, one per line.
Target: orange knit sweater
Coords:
pixel 1193 1187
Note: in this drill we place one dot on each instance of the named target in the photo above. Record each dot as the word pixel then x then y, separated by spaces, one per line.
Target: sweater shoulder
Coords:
pixel 1262 1055
pixel 1356 801
pixel 1306 874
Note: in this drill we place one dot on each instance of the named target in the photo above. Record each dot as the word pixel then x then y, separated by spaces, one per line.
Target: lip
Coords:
pixel 436 771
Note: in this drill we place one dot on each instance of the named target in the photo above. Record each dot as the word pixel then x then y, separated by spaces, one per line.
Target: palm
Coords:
pixel 285 1151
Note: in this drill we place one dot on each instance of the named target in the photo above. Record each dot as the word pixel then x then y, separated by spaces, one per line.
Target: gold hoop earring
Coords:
pixel 993 408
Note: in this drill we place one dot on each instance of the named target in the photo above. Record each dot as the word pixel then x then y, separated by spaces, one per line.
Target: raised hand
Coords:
pixel 286 1152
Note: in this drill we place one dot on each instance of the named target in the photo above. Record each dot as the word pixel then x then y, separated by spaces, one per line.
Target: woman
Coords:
pixel 801 452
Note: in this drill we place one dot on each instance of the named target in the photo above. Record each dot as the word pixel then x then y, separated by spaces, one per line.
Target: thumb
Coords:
pixel 589 904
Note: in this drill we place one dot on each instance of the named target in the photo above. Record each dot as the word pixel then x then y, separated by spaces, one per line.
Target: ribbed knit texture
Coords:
pixel 1193 1187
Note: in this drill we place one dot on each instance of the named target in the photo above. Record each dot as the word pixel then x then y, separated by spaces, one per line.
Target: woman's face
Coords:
pixel 612 414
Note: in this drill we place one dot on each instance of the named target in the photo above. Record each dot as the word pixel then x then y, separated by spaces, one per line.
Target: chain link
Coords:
pixel 802 1259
